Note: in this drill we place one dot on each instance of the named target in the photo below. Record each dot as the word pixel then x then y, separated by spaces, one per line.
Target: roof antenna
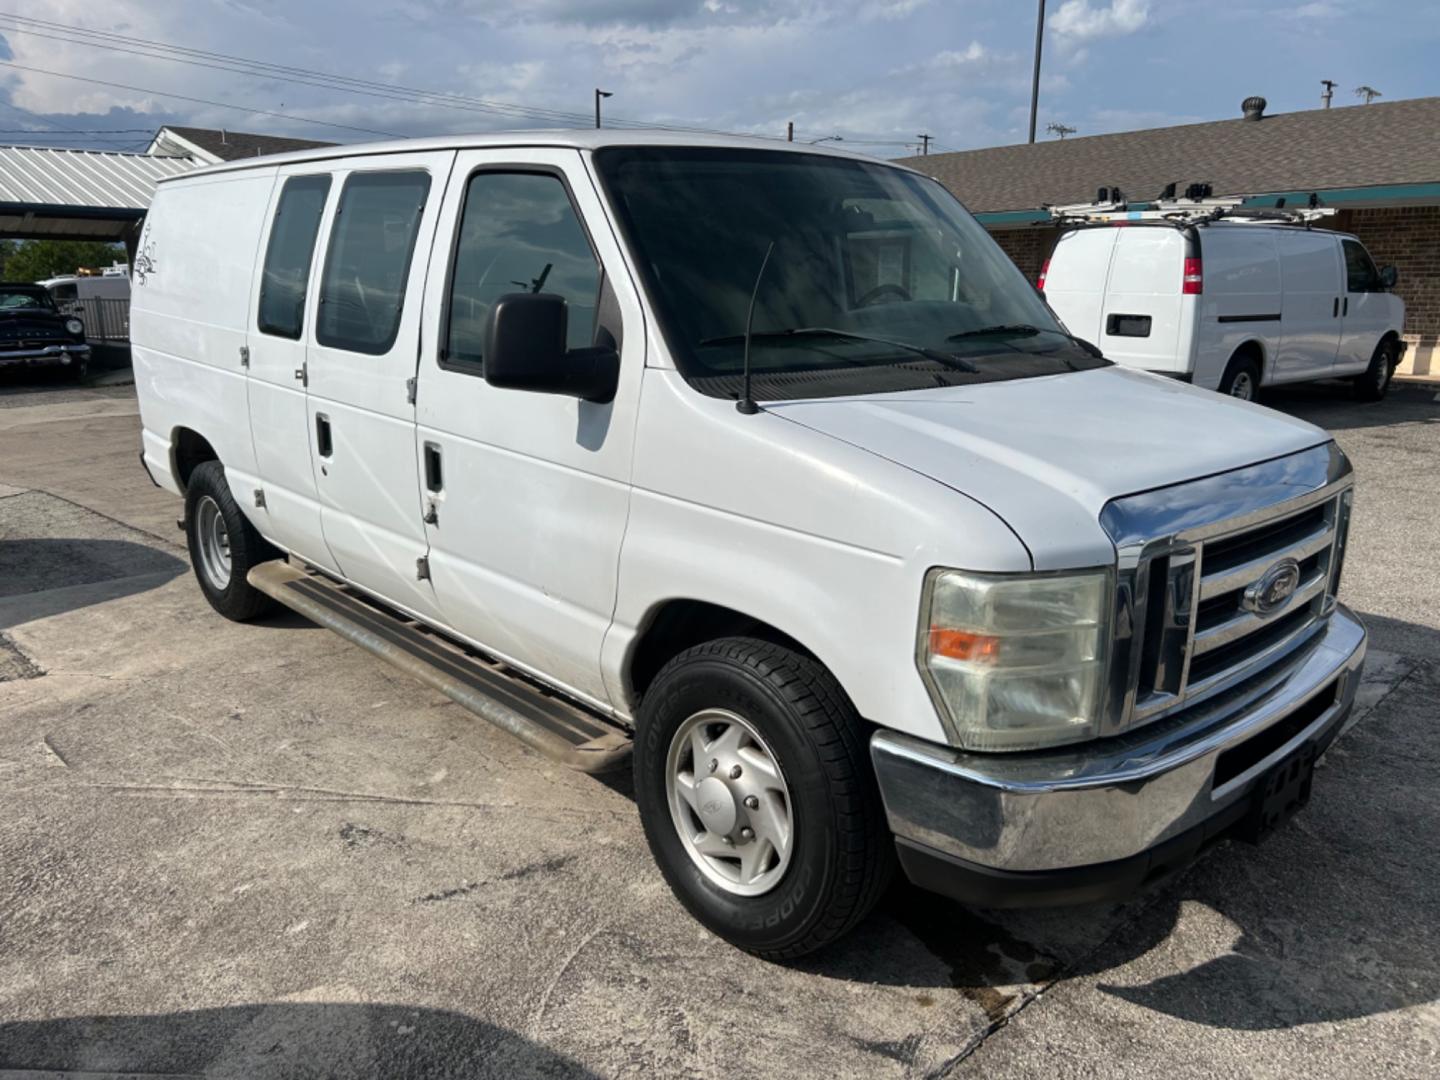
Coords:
pixel 746 404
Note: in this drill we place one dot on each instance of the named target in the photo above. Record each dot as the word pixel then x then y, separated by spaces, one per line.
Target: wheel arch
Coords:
pixel 188 450
pixel 1253 347
pixel 673 625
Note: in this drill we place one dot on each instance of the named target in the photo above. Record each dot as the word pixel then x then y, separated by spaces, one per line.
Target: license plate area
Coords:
pixel 1280 794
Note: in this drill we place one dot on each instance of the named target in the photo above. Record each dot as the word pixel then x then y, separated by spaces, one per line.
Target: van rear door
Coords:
pixel 1075 280
pixel 1143 307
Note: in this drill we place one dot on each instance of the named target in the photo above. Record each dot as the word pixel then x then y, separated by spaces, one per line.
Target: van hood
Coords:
pixel 1046 454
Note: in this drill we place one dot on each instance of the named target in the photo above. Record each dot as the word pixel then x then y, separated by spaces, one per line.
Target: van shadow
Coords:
pixel 40 577
pixel 1334 917
pixel 1331 406
pixel 283 1040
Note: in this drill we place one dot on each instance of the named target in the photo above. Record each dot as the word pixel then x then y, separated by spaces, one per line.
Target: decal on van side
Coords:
pixel 145 261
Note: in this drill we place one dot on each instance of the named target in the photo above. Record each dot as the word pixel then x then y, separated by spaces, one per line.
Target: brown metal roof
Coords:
pixel 236 145
pixel 1396 142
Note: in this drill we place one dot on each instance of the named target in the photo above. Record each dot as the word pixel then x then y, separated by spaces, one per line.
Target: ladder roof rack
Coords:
pixel 1197 206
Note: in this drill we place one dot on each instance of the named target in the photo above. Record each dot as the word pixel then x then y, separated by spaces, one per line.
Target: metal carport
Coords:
pixel 56 194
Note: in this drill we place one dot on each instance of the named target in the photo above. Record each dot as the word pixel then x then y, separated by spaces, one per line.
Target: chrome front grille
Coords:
pixel 1221 578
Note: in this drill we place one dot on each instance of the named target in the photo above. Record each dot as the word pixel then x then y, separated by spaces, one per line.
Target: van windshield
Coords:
pixel 878 280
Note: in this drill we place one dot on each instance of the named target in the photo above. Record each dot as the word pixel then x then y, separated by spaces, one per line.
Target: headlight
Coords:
pixel 74 326
pixel 1016 661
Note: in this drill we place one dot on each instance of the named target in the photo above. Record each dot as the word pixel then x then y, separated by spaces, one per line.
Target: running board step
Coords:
pixel 561 731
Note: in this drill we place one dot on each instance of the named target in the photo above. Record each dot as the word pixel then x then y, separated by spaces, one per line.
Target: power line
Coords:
pixel 280 73
pixel 159 50
pixel 199 101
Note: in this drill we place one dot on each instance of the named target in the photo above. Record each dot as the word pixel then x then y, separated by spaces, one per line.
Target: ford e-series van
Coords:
pixel 1230 304
pixel 763 466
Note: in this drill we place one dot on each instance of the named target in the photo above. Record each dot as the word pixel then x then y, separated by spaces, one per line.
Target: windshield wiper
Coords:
pixel 947 359
pixel 1027 330
pixel 1013 329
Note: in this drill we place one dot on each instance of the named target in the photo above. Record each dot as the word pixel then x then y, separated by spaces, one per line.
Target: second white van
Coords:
pixel 1229 305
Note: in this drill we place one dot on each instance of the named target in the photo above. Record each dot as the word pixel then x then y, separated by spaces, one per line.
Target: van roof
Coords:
pixel 563 138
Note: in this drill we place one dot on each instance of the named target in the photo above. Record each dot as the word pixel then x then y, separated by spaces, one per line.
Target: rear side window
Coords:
pixel 1360 273
pixel 519 233
pixel 371 244
pixel 286 275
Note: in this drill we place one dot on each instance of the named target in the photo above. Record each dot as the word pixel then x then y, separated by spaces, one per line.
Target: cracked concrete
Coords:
pixel 255 851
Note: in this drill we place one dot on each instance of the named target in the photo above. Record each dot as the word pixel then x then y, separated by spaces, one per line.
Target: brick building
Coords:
pixel 1378 165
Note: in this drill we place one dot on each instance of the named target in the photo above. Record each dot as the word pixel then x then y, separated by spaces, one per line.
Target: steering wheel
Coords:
pixel 880 292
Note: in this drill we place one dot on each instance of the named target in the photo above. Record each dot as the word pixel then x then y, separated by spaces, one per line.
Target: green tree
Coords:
pixel 36 260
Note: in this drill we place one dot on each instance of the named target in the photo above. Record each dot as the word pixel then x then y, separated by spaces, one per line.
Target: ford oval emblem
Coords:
pixel 1274 588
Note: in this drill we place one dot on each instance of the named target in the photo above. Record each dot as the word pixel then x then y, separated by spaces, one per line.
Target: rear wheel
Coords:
pixel 754 784
pixel 1374 383
pixel 1242 377
pixel 224 545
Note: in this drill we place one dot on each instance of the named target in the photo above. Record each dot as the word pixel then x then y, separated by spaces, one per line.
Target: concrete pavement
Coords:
pixel 255 851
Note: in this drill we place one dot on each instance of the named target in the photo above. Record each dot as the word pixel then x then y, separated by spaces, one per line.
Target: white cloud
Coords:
pixel 1319 9
pixel 1077 20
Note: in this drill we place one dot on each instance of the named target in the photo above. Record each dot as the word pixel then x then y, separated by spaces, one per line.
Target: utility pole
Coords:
pixel 790 131
pixel 1329 85
pixel 598 95
pixel 1035 80
pixel 1369 93
pixel 924 144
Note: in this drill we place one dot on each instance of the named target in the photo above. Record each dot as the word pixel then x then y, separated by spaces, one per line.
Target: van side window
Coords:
pixel 286 275
pixel 518 233
pixel 371 244
pixel 1360 273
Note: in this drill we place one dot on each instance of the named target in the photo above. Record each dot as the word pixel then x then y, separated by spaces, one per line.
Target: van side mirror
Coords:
pixel 1389 277
pixel 524 349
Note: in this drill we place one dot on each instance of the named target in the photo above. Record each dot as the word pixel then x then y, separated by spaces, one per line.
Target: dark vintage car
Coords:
pixel 34 331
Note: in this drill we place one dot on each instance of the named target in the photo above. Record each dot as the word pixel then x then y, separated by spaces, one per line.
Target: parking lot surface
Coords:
pixel 255 851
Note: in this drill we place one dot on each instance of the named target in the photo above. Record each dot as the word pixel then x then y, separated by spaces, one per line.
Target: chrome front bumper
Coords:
pixel 1044 819
pixel 46 354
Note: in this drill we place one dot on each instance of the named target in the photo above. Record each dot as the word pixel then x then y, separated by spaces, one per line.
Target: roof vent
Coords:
pixel 1253 107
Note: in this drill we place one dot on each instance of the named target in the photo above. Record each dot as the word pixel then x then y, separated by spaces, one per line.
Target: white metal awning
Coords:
pixel 78 194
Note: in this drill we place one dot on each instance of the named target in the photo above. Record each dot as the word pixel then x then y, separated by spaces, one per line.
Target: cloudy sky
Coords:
pixel 876 72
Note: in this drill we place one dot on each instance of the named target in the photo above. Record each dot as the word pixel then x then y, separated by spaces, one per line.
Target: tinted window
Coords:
pixel 287 258
pixel 371 244
pixel 1360 275
pixel 519 233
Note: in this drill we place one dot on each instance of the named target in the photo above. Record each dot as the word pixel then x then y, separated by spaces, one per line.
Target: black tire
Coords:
pixel 1243 371
pixel 78 370
pixel 842 854
pixel 238 599
pixel 1374 383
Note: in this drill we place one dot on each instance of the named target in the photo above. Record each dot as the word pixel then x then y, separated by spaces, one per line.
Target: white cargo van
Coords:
pixel 1229 304
pixel 763 465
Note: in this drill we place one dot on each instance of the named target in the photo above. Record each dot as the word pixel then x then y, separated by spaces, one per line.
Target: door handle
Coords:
pixel 1345 309
pixel 434 476
pixel 324 442
pixel 1335 308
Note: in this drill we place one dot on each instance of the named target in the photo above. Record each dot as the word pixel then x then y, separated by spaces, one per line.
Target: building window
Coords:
pixel 518 233
pixel 372 243
pixel 286 275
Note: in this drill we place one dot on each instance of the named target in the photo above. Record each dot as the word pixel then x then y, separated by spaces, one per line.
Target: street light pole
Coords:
pixel 1035 80
pixel 604 94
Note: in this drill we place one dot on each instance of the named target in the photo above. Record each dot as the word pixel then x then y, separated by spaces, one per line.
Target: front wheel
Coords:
pixel 1374 383
pixel 755 788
